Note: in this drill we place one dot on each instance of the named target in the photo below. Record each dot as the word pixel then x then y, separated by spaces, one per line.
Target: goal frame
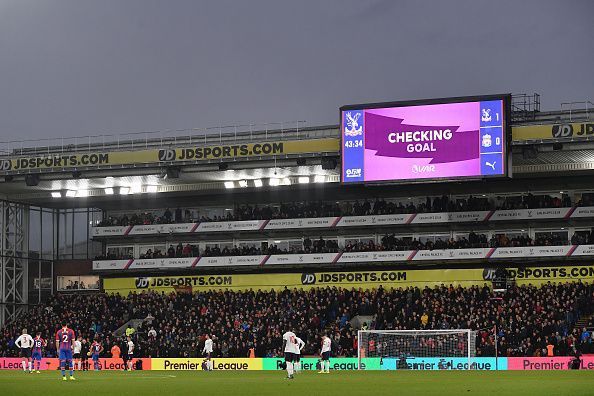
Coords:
pixel 469 334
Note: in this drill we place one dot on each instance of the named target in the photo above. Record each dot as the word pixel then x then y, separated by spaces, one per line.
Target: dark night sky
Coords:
pixel 76 67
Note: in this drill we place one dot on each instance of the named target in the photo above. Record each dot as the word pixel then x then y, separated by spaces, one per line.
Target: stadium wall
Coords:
pixel 309 364
pixel 359 279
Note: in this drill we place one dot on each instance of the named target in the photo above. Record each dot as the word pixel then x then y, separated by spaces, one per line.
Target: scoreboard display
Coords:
pixel 436 139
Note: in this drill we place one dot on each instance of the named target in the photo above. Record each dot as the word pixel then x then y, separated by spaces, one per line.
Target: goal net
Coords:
pixel 418 349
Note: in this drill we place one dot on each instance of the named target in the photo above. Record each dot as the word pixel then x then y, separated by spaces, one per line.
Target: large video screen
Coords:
pixel 451 139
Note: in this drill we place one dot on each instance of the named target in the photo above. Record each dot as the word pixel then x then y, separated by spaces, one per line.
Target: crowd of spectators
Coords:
pixel 365 207
pixel 528 318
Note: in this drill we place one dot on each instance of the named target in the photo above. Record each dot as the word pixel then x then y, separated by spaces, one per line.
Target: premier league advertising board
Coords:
pixel 438 139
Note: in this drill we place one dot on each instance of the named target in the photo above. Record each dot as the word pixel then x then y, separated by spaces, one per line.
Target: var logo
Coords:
pixel 5 165
pixel 308 279
pixel 142 283
pixel 167 155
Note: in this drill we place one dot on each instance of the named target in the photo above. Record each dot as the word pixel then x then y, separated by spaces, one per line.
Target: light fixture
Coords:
pixel 286 181
pixel 82 193
pixel 70 193
pixel 152 189
pixel 274 182
pixel 108 191
pixel 56 194
pixel 258 183
pixel 135 189
pixel 124 190
pixel 242 183
pixel 319 179
pixel 229 184
pixel 303 179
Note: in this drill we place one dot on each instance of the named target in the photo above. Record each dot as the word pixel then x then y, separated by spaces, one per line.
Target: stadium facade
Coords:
pixel 263 206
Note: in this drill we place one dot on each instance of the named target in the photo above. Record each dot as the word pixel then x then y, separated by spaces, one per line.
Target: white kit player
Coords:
pixel 326 348
pixel 76 348
pixel 299 347
pixel 130 353
pixel 207 352
pixel 25 343
pixel 290 348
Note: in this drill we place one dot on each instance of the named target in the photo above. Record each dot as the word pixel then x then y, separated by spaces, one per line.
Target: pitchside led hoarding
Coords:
pixel 437 139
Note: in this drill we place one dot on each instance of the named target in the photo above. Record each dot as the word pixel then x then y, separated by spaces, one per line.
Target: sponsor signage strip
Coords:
pixel 349 257
pixel 179 154
pixel 362 279
pixel 554 131
pixel 336 363
pixel 347 221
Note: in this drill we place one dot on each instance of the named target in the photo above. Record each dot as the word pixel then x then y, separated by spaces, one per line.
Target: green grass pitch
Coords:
pixel 371 383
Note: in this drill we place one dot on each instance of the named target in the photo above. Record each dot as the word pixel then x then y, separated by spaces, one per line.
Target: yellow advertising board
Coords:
pixel 304 280
pixel 177 364
pixel 360 279
pixel 178 154
pixel 553 131
pixel 542 275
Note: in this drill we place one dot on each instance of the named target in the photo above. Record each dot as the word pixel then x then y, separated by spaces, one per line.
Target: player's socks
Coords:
pixel 327 366
pixel 71 374
pixel 31 366
pixel 63 373
pixel 24 365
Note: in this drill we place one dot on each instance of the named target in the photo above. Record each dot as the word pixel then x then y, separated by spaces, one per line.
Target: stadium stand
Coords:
pixel 528 318
pixel 342 208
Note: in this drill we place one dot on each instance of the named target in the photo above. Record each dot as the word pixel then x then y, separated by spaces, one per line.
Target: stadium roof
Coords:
pixel 309 154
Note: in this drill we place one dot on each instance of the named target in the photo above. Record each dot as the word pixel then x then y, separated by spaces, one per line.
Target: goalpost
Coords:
pixel 418 349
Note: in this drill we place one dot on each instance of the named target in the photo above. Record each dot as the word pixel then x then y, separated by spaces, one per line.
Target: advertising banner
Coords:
pixel 360 257
pixel 450 217
pixel 583 250
pixel 583 211
pixel 111 231
pixel 377 220
pixel 219 364
pixel 312 258
pixel 445 363
pixel 527 214
pixel 231 261
pixel 54 363
pixel 532 251
pixel 300 280
pixel 163 263
pixel 179 154
pixel 109 265
pixel 540 275
pixel 553 131
pixel 348 221
pixel 338 363
pixel 424 141
pixel 320 222
pixel 163 229
pixel 451 254
pixel 231 226
pixel 547 363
